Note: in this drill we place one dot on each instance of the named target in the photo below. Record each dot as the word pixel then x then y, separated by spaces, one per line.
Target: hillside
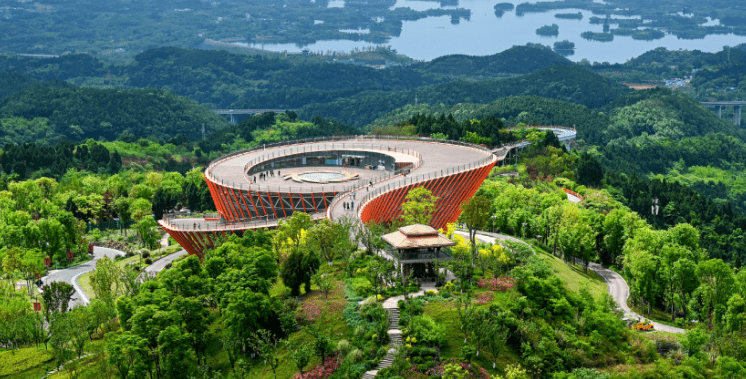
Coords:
pixel 532 110
pixel 12 82
pixel 661 112
pixel 516 60
pixel 80 113
pixel 567 83
pixel 269 127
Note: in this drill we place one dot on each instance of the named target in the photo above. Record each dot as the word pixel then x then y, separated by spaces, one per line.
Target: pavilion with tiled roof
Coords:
pixel 418 244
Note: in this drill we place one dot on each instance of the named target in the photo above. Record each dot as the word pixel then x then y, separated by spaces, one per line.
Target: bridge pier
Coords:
pixel 720 111
pixel 233 118
pixel 737 115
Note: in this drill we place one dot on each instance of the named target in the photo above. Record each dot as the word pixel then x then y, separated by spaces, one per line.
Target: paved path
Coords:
pixel 161 264
pixel 71 275
pixel 619 290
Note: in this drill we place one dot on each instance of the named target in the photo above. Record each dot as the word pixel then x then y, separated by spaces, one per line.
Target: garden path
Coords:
pixel 391 305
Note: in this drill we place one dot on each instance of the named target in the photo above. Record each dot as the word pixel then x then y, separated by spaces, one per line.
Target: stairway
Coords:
pixel 396 341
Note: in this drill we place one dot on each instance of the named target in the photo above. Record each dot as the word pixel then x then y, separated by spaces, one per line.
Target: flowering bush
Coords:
pixel 311 311
pixel 502 284
pixel 485 297
pixel 320 372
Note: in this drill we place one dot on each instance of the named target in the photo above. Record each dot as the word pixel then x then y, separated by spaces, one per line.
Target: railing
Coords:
pixel 203 226
pixel 339 138
pixel 405 181
pixel 334 147
pixel 297 150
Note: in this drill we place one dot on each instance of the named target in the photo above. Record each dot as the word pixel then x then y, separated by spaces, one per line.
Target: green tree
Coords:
pixel 325 237
pixel 298 269
pixel 474 213
pixel 29 262
pixel 588 170
pixel 78 320
pixel 418 206
pixel 59 330
pixel 57 297
pixel 325 282
pixel 290 231
pixel 301 354
pixel 129 354
pixel 105 280
pixel 176 354
pixel 266 346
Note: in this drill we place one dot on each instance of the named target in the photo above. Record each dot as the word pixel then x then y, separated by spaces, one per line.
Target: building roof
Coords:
pixel 417 236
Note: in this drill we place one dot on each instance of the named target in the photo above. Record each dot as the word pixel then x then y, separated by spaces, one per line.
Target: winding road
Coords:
pixel 71 275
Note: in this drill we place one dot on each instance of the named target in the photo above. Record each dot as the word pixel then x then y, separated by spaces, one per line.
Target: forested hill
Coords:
pixel 12 82
pixel 660 113
pixel 516 60
pixel 568 83
pixel 269 127
pixel 221 79
pixel 532 110
pixel 79 113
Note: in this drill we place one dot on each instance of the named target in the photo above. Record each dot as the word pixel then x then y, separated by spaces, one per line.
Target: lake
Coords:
pixel 486 34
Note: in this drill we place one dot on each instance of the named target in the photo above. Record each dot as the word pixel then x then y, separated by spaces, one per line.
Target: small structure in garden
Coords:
pixel 416 246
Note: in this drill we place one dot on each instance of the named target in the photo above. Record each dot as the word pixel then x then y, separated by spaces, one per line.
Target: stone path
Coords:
pixel 391 305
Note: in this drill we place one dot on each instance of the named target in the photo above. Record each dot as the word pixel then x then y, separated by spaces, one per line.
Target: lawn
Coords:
pixel 575 278
pixel 28 362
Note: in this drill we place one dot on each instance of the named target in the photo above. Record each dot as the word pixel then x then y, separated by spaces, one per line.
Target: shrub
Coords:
pixel 344 347
pixel 400 304
pixel 145 254
pixel 360 285
pixel 148 261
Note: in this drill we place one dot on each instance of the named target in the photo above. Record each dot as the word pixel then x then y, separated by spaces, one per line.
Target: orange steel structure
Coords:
pixel 451 191
pixel 243 207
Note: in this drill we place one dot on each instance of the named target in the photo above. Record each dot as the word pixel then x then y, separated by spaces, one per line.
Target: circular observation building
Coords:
pixel 256 188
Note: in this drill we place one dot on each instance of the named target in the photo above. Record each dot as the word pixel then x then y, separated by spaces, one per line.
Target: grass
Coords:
pixel 29 362
pixel 574 276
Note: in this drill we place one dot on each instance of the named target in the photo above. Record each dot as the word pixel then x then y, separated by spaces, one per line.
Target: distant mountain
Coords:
pixel 516 60
pixel 573 84
pixel 80 113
